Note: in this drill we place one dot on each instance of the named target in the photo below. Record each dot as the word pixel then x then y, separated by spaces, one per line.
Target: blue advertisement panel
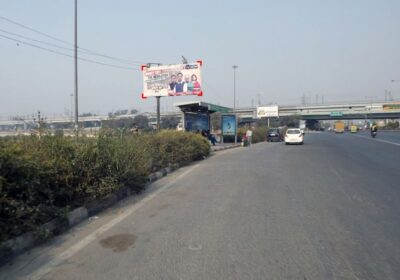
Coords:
pixel 196 122
pixel 228 124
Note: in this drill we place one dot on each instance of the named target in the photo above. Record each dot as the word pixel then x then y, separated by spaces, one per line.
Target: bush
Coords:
pixel 392 125
pixel 259 134
pixel 41 179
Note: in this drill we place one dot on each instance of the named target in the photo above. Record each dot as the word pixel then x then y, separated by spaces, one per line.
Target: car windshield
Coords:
pixel 293 131
pixel 273 131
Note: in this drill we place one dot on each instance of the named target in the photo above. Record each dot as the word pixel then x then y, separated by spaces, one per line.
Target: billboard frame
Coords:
pixel 222 125
pixel 149 65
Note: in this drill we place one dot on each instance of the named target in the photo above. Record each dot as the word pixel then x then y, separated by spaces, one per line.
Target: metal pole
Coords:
pixel 234 97
pixel 234 85
pixel 76 69
pixel 158 112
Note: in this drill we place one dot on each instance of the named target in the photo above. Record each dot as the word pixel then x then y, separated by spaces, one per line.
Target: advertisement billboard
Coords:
pixel 196 122
pixel 388 107
pixel 267 111
pixel 228 124
pixel 172 80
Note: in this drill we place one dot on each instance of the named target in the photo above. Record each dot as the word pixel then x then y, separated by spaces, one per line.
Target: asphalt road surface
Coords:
pixel 328 209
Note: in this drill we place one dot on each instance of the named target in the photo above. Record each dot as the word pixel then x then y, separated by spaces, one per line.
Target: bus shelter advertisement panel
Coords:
pixel 172 80
pixel 196 122
pixel 228 125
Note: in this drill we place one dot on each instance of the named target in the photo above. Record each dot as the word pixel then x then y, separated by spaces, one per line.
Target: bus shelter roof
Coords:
pixel 200 106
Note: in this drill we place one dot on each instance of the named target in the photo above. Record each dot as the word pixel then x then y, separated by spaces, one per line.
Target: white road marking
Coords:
pixel 195 247
pixel 57 260
pixel 377 139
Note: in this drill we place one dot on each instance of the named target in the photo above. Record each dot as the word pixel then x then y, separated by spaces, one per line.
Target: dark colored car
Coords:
pixel 274 135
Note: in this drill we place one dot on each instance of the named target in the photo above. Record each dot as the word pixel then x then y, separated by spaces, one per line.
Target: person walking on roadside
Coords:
pixel 249 136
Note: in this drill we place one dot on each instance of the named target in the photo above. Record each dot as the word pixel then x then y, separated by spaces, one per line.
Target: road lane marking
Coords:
pixel 377 139
pixel 57 260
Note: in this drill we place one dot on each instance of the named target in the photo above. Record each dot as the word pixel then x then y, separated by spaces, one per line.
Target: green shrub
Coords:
pixel 41 179
pixel 259 134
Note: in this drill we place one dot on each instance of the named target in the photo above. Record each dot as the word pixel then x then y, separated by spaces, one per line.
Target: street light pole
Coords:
pixel 234 85
pixel 234 97
pixel 76 69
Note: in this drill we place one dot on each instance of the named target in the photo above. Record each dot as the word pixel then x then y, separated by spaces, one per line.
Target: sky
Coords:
pixel 339 49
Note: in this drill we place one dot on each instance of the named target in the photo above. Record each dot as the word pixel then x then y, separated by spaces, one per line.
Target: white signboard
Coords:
pixel 267 111
pixel 172 80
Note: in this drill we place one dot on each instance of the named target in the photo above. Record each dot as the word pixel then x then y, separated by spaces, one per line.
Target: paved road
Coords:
pixel 326 210
pixel 390 136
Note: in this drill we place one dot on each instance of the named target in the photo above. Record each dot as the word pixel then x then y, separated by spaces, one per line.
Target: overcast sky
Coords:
pixel 341 49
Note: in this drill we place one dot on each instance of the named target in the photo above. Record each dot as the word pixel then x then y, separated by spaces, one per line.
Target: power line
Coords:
pixel 44 42
pixel 38 41
pixel 70 44
pixel 67 55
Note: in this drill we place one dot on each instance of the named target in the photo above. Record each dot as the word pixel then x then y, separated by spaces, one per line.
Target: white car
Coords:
pixel 294 136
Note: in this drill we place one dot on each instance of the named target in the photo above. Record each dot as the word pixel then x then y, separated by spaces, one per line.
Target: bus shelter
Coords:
pixel 196 115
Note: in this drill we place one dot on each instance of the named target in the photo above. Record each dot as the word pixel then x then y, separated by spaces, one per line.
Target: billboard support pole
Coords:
pixel 158 112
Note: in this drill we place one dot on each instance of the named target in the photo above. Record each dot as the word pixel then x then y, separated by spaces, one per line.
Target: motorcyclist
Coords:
pixel 374 130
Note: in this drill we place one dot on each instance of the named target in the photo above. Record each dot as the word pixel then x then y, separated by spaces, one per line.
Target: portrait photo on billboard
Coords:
pixel 228 124
pixel 172 80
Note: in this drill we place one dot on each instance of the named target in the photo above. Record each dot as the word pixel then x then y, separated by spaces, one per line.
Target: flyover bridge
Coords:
pixel 344 111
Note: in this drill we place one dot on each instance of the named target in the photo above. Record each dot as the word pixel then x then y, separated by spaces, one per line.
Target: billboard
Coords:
pixel 268 111
pixel 388 107
pixel 228 124
pixel 196 122
pixel 172 80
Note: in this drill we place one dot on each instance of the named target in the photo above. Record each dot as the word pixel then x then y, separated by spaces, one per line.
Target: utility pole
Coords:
pixel 76 70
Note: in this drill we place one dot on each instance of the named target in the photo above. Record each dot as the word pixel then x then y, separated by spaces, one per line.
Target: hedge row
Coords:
pixel 41 179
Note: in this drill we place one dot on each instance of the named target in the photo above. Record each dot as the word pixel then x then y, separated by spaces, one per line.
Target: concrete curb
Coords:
pixel 226 148
pixel 11 248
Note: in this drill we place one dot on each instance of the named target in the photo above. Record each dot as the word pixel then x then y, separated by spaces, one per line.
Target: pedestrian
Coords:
pixel 249 136
pixel 212 139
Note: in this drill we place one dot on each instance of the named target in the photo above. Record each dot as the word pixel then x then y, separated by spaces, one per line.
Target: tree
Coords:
pixel 289 121
pixel 118 113
pixel 87 115
pixel 141 121
pixel 169 122
pixel 119 123
pixel 216 121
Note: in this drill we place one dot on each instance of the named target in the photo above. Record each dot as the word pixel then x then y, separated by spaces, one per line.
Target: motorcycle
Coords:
pixel 373 134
